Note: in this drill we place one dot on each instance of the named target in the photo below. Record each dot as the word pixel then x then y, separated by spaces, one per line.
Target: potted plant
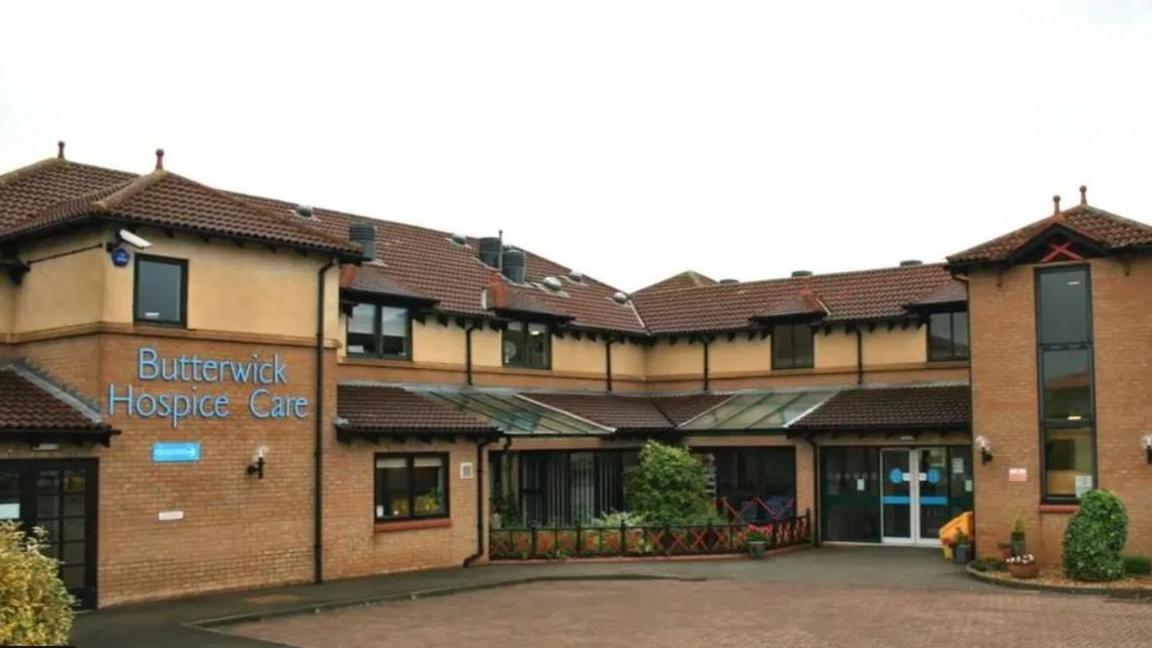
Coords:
pixel 1023 566
pixel 756 542
pixel 1017 538
pixel 961 548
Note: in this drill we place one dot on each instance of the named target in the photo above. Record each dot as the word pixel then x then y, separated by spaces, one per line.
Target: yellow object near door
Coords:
pixel 963 523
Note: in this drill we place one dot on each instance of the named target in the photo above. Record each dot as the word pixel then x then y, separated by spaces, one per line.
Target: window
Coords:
pixel 792 346
pixel 411 486
pixel 161 294
pixel 1064 352
pixel 378 331
pixel 527 345
pixel 948 336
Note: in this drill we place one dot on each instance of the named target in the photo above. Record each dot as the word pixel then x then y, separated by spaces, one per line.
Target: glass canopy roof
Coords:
pixel 514 415
pixel 759 411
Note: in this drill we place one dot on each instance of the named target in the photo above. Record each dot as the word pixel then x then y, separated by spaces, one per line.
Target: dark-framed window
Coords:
pixel 948 336
pixel 527 344
pixel 411 486
pixel 160 294
pixel 792 346
pixel 379 331
pixel 1065 375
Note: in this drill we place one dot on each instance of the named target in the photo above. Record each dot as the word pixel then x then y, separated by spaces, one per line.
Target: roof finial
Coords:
pixel 60 149
pixel 1084 195
pixel 159 159
pixel 1056 205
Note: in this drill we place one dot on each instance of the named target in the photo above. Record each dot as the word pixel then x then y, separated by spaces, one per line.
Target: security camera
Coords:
pixel 138 242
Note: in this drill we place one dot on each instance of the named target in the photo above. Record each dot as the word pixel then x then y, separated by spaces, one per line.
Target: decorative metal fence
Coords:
pixel 598 542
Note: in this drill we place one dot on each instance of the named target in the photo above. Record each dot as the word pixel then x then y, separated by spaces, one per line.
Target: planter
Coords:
pixel 1024 572
pixel 756 549
pixel 961 554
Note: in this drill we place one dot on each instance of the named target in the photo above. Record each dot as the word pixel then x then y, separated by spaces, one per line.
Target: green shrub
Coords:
pixel 35 607
pixel 669 486
pixel 1094 538
pixel 617 519
pixel 1137 565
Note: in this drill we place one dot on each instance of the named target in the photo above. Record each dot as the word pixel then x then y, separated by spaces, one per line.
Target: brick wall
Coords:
pixel 1005 401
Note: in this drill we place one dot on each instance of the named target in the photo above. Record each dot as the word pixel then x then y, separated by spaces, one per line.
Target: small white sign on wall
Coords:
pixel 1017 474
pixel 1083 485
pixel 170 516
pixel 467 470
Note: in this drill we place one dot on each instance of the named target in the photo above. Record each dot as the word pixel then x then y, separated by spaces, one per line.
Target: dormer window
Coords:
pixel 379 331
pixel 527 345
pixel 948 336
pixel 792 346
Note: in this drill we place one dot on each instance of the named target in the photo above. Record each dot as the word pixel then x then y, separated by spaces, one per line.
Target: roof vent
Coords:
pixel 553 283
pixel 490 251
pixel 306 211
pixel 515 265
pixel 729 282
pixel 575 276
pixel 801 273
pixel 619 297
pixel 459 239
pixel 364 234
pixel 910 262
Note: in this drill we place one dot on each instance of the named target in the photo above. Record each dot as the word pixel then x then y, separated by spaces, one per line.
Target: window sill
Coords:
pixel 412 525
pixel 1059 508
pixel 167 325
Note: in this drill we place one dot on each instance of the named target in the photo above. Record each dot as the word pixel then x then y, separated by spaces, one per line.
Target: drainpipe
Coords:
pixel 608 363
pixel 815 492
pixel 318 452
pixel 480 445
pixel 707 343
pixel 859 356
pixel 468 350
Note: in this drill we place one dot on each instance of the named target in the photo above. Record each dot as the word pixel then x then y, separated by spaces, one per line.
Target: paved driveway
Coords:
pixel 832 597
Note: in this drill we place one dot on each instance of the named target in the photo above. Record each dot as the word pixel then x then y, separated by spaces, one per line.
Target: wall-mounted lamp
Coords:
pixel 258 461
pixel 1147 443
pixel 985 449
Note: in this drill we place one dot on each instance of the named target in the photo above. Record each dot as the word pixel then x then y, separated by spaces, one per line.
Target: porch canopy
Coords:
pixel 517 415
pixel 895 410
pixel 36 410
pixel 757 411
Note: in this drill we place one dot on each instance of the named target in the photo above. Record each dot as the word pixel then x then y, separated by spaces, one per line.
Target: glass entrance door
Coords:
pixel 897 495
pixel 60 497
pixel 932 481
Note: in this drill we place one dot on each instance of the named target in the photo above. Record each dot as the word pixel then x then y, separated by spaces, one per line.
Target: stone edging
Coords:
pixel 314 608
pixel 1032 585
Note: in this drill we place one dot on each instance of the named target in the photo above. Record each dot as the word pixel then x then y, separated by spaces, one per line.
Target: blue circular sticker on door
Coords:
pixel 896 476
pixel 933 475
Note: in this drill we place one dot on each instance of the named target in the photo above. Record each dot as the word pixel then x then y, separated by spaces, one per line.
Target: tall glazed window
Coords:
pixel 1065 357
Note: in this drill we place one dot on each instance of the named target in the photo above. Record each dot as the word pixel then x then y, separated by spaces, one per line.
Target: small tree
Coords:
pixel 669 486
pixel 1095 537
pixel 35 607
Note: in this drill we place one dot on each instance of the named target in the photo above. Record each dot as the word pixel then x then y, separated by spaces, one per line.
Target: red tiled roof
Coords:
pixel 893 408
pixel 686 279
pixel 370 279
pixel 160 198
pixel 29 403
pixel 428 262
pixel 953 292
pixel 848 296
pixel 803 303
pixel 393 410
pixel 1107 229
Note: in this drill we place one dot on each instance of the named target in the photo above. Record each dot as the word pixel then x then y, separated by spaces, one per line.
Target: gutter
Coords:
pixel 318 451
pixel 480 445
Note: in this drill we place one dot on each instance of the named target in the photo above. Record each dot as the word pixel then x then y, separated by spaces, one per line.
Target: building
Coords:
pixel 202 390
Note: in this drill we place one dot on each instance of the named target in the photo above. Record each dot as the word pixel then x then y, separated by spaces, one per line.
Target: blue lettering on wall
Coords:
pixel 263 374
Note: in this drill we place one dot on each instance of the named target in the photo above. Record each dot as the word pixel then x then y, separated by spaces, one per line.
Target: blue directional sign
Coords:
pixel 176 452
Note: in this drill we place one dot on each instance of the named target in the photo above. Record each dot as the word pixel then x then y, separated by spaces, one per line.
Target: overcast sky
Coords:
pixel 631 140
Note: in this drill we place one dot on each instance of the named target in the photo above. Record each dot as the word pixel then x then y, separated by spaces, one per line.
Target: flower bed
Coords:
pixel 1053 579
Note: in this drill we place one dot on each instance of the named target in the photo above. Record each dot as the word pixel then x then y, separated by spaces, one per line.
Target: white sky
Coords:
pixel 631 140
